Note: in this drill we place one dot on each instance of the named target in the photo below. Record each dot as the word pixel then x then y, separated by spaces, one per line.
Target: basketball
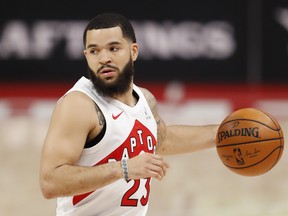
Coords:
pixel 249 142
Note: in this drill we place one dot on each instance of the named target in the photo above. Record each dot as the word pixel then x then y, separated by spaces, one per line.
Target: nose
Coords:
pixel 104 57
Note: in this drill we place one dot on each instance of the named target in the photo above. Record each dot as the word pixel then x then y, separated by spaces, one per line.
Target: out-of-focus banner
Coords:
pixel 199 41
pixel 275 41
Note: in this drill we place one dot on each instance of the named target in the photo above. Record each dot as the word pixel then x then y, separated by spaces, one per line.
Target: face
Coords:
pixel 110 59
pixel 119 86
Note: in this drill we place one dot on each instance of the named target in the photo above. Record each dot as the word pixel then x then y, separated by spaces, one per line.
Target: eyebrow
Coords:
pixel 110 44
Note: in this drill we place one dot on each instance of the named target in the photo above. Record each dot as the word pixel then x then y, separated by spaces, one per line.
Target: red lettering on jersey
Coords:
pixel 139 140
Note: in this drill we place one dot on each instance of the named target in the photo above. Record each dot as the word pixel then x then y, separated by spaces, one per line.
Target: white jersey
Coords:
pixel 130 131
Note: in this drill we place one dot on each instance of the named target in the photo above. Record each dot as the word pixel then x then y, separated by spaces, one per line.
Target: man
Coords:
pixel 105 139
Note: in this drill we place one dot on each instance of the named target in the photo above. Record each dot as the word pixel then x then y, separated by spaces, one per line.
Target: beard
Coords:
pixel 119 86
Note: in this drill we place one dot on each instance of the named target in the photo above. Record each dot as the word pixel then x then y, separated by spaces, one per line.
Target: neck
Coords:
pixel 127 98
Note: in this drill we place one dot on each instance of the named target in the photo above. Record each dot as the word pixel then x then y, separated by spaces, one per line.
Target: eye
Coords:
pixel 93 51
pixel 114 48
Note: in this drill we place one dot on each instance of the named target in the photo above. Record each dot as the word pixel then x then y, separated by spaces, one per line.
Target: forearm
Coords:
pixel 68 180
pixel 183 139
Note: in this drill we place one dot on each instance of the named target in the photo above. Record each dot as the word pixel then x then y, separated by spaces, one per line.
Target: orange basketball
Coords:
pixel 249 142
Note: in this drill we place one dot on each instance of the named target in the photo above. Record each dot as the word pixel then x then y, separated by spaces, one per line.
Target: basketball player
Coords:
pixel 106 140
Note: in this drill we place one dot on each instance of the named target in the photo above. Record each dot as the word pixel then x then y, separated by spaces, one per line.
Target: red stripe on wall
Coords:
pixel 239 94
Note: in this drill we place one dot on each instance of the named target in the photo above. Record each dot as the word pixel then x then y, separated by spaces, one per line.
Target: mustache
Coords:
pixel 106 66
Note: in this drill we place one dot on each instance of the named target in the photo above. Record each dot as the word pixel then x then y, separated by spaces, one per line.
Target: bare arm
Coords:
pixel 177 139
pixel 72 121
pixel 183 139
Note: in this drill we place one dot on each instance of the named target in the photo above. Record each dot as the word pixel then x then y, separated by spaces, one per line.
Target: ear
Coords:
pixel 85 52
pixel 134 51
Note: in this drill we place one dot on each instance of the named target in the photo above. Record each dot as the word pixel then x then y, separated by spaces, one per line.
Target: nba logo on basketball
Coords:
pixel 238 156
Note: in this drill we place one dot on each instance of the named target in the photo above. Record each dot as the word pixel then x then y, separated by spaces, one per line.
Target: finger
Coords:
pixel 159 167
pixel 156 175
pixel 159 161
pixel 157 157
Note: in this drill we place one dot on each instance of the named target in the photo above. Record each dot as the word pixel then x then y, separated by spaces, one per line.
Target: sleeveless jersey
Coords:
pixel 130 131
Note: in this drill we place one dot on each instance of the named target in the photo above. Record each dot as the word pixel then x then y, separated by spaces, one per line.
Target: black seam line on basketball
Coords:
pixel 277 129
pixel 247 143
pixel 276 124
pixel 258 161
pixel 273 120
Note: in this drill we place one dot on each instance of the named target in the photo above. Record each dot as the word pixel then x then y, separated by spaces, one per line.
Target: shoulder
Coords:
pixel 146 92
pixel 75 100
pixel 149 97
pixel 75 108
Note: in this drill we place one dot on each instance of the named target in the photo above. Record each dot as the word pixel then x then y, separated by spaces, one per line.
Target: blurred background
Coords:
pixel 202 60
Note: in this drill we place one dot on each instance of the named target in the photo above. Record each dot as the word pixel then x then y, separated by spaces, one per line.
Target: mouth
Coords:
pixel 107 72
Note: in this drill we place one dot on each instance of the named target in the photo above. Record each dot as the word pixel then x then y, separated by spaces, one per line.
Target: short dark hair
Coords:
pixel 110 20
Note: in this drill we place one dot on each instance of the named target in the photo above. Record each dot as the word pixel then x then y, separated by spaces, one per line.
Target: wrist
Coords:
pixel 124 166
